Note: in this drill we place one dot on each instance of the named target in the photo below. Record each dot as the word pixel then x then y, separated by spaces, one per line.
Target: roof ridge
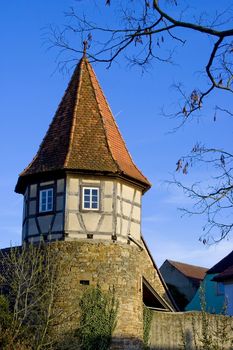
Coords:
pixel 117 128
pixel 82 116
pixel 77 97
pixel 179 262
pixel 101 112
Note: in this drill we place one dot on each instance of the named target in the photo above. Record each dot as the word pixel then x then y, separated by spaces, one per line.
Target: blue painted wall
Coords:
pixel 214 303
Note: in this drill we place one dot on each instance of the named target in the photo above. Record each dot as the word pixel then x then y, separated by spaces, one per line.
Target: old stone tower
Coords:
pixel 83 189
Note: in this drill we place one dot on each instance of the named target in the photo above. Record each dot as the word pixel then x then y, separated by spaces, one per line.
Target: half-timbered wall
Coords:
pixel 118 216
pixel 128 211
pixel 49 225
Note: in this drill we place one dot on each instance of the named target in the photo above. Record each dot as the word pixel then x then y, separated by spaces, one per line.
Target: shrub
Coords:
pixel 98 313
pixel 147 319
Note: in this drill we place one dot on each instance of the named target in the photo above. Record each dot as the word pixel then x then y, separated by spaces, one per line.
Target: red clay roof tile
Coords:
pixel 192 271
pixel 83 135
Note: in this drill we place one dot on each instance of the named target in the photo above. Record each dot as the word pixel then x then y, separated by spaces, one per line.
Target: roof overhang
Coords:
pixel 25 180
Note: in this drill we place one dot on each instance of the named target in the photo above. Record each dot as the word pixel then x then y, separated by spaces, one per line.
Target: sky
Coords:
pixel 32 87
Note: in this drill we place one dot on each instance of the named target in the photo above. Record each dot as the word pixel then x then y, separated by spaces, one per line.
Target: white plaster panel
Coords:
pixel 32 207
pixel 108 188
pixel 32 228
pixel 90 181
pixel 136 213
pixel 138 197
pixel 26 193
pixel 121 239
pixel 73 184
pixel 107 205
pixel 72 202
pixel 127 192
pixel 126 209
pixel 106 225
pixel 118 206
pixel 60 203
pixel 91 221
pixel 33 191
pixel 57 236
pixel 45 223
pixel 118 228
pixel 135 230
pixel 124 227
pixel 24 208
pixel 99 236
pixel 35 239
pixel 47 183
pixel 58 222
pixel 73 222
pixel 118 189
pixel 60 185
pixel 75 235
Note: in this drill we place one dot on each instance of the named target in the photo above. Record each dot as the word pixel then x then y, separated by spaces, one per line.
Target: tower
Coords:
pixel 83 189
pixel 82 183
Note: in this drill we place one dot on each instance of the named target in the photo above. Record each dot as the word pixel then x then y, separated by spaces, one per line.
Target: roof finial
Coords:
pixel 85 46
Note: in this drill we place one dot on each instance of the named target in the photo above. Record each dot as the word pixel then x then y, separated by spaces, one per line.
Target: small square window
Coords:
pixel 90 198
pixel 46 200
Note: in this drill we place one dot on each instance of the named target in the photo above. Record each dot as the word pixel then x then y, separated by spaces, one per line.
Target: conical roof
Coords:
pixel 83 135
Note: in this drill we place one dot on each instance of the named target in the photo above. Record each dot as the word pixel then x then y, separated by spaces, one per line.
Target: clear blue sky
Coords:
pixel 30 93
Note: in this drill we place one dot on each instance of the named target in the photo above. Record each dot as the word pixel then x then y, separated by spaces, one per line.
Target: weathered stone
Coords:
pixel 108 265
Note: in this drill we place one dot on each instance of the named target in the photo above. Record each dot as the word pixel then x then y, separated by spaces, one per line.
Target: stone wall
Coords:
pixel 107 264
pixel 171 330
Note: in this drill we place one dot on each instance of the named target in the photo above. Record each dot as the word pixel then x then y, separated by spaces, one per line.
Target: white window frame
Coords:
pixel 91 198
pixel 47 208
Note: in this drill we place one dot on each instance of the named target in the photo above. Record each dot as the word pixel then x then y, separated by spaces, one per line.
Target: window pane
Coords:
pixel 46 200
pixel 94 199
pixel 90 198
pixel 50 207
pixel 43 195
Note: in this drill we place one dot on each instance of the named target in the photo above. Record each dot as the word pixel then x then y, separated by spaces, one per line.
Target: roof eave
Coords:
pixel 23 180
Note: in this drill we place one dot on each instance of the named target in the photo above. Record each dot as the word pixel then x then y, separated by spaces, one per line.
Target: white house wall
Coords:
pixel 128 211
pixel 118 217
pixel 47 225
pixel 119 214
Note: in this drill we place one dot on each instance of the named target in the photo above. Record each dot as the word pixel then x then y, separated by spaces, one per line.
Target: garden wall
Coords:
pixel 190 331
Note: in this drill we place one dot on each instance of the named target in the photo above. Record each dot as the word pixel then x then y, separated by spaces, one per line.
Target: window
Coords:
pixel 90 198
pixel 46 200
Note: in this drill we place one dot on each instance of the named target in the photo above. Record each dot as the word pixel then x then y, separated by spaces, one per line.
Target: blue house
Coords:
pixel 211 293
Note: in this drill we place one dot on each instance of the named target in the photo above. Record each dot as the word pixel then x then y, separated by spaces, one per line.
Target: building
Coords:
pixel 212 290
pixel 83 189
pixel 182 279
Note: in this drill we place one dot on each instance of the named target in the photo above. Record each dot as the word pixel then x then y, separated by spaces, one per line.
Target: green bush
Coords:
pixel 98 313
pixel 147 319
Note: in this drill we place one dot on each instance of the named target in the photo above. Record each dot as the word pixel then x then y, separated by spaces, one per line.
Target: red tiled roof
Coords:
pixel 191 271
pixel 83 135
